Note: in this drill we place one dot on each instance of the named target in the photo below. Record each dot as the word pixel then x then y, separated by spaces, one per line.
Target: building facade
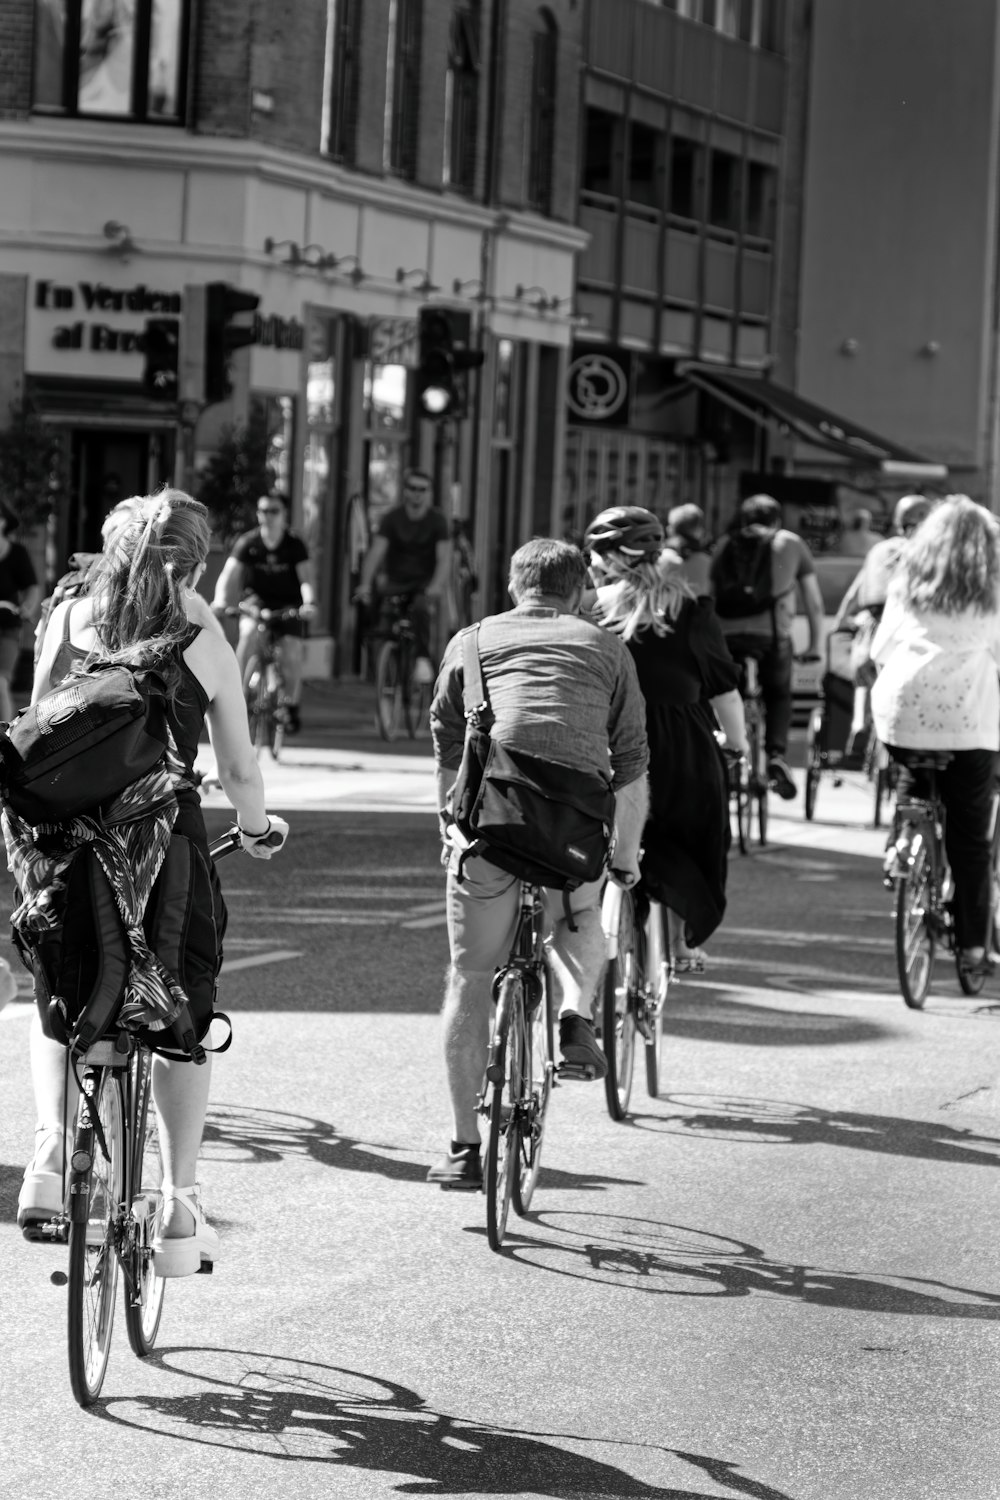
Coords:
pixel 374 159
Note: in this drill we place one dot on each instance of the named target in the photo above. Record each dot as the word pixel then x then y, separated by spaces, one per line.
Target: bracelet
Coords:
pixel 247 834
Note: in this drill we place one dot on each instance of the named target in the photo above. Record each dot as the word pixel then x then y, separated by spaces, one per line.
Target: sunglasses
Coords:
pixel 414 489
pixel 269 510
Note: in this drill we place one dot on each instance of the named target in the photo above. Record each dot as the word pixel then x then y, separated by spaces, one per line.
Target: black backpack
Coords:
pixel 741 576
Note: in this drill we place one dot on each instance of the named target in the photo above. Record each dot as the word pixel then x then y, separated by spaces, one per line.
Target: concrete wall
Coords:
pixel 900 219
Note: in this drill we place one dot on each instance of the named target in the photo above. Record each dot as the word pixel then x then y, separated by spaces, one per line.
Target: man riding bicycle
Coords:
pixel 754 575
pixel 410 556
pixel 269 569
pixel 561 688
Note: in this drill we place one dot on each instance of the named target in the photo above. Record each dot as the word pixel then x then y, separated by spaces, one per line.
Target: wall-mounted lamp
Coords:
pixel 460 288
pixel 537 297
pixel 294 256
pixel 120 241
pixel 931 349
pixel 423 286
pixel 849 347
pixel 343 265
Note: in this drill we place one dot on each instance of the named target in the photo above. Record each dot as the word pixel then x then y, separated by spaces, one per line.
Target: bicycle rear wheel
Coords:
pixel 536 1074
pixel 388 691
pixel 503 1145
pixel 144 1297
pixel 622 983
pixel 814 763
pixel 95 1197
pixel 657 967
pixel 915 940
pixel 741 802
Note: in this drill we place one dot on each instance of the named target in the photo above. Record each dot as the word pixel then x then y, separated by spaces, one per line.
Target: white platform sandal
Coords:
pixel 193 1252
pixel 42 1194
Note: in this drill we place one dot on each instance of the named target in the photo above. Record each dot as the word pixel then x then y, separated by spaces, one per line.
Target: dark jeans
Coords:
pixel 774 659
pixel 415 605
pixel 966 788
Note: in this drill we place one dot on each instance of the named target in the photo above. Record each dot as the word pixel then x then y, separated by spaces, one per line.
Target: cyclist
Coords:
pixel 861 609
pixel 410 555
pixel 772 562
pixel 269 568
pixel 560 687
pixel 19 593
pixel 938 651
pixel 141 608
pixel 682 660
pixel 687 536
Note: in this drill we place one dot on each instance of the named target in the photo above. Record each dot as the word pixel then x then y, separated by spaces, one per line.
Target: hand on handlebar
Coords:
pixel 263 845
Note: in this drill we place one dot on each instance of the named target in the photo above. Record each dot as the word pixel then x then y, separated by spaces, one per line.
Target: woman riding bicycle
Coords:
pixel 141 609
pixel 682 660
pixel 938 650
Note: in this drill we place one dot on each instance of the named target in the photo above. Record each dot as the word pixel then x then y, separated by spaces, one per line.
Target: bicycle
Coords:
pixel 748 775
pixel 634 992
pixel 883 773
pixel 401 701
pixel 264 678
pixel 114 1201
pixel 923 885
pixel 520 1069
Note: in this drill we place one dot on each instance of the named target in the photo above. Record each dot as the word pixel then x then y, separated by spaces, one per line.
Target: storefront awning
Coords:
pixel 765 403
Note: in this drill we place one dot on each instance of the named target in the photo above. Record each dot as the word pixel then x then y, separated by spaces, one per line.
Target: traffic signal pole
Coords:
pixel 191 385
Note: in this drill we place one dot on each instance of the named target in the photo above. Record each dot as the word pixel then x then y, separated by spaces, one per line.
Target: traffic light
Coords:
pixel 160 347
pixel 223 303
pixel 443 359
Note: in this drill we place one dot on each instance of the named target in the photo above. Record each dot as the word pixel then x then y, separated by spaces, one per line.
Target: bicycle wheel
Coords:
pixel 623 980
pixel 741 806
pixel 388 691
pixel 813 769
pixel 144 1289
pixel 761 800
pixel 536 1073
pixel 657 958
pixel 417 707
pixel 503 1145
pixel 915 940
pixel 255 692
pixel 96 1195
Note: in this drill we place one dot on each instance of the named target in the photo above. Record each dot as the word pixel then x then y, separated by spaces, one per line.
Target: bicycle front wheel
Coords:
pixel 95 1199
pixel 536 1087
pixel 144 1300
pixel 623 980
pixel 915 941
pixel 388 691
pixel 418 708
pixel 255 692
pixel 503 1146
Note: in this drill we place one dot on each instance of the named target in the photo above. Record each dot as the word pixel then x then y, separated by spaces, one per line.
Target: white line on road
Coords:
pixel 252 961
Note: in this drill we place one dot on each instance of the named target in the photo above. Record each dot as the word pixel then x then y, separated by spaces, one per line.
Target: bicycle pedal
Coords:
pixel 577 1072
pixel 47 1232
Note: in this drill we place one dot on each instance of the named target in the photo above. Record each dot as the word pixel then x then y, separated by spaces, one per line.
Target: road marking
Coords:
pixel 439 920
pixel 253 961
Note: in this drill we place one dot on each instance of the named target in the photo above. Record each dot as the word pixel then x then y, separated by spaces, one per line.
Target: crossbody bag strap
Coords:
pixel 477 704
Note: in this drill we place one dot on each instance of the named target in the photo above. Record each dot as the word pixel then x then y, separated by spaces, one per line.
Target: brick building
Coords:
pixel 370 160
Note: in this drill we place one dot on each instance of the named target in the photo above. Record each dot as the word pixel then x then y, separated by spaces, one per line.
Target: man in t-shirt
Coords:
pixel 410 555
pixel 767 634
pixel 270 567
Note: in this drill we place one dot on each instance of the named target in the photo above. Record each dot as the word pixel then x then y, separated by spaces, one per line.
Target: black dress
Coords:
pixel 687 836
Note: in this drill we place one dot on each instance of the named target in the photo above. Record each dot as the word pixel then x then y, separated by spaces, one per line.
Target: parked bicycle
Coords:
pixel 114 1200
pixel 264 677
pixel 634 992
pixel 402 701
pixel 923 886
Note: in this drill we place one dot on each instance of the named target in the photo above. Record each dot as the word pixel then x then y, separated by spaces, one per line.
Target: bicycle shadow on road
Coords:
pixel 715 1017
pixel 295 1410
pixel 781 1123
pixel 675 1260
pixel 243 1133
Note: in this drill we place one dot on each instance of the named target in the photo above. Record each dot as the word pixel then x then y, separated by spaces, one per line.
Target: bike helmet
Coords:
pixel 627 529
pixel 910 511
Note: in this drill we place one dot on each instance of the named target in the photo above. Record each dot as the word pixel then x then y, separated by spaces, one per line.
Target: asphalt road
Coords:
pixel 780 1280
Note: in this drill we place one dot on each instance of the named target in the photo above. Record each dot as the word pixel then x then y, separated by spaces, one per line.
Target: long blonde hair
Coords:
pixel 152 543
pixel 635 596
pixel 951 563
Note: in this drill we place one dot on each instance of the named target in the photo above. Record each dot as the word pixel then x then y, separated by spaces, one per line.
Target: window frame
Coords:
pixel 138 113
pixel 462 92
pixel 403 76
pixel 342 80
pixel 543 113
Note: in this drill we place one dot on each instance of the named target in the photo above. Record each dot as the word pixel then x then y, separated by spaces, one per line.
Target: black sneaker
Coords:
pixel 779 778
pixel 458 1171
pixel 292 721
pixel 579 1045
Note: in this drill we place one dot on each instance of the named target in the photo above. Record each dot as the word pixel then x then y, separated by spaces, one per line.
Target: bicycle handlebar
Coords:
pixel 232 839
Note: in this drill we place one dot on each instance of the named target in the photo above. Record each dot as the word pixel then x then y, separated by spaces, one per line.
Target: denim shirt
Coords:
pixel 559 688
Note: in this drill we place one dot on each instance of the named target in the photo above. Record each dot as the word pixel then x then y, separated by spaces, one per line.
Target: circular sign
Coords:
pixel 596 387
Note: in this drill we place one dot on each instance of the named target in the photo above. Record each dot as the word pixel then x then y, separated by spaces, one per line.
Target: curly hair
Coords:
pixel 637 596
pixel 152 543
pixel 951 563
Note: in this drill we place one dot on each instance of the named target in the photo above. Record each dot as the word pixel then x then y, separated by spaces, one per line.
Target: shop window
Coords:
pixel 645 157
pixel 502 393
pixel 462 99
pixel 403 87
pixel 761 192
pixel 279 415
pixel 542 126
pixel 385 437
pixel 111 61
pixel 343 35
pixel 602 153
pixel 724 190
pixel 685 174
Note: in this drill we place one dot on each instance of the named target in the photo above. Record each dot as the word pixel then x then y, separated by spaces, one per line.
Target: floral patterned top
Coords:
pixel 937 687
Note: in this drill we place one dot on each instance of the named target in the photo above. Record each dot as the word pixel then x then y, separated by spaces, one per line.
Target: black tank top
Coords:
pixel 186 707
